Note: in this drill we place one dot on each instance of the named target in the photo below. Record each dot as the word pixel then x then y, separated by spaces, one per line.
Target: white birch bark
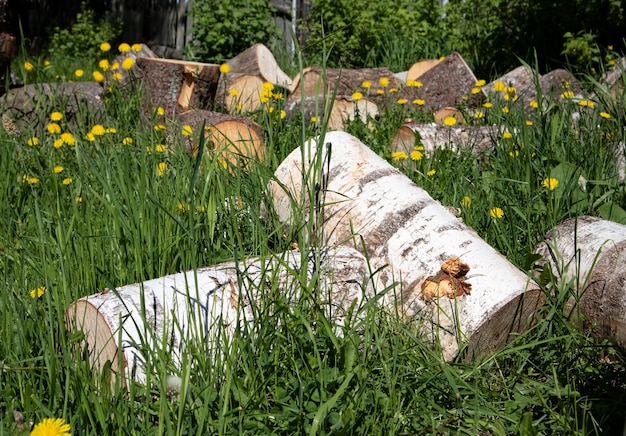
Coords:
pixel 167 312
pixel 590 254
pixel 409 236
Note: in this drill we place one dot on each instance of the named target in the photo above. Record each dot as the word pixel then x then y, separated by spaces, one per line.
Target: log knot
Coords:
pixel 449 281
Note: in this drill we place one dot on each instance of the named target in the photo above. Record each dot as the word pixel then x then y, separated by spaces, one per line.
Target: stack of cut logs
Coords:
pixel 431 267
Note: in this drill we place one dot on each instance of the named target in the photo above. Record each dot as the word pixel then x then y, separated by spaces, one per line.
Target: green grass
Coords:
pixel 134 212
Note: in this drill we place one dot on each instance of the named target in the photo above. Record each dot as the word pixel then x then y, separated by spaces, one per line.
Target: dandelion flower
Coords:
pixel 98 76
pixel 419 102
pixel 586 103
pixel 366 84
pixel 479 114
pixel 79 73
pixel 392 90
pixel 56 116
pixel 98 130
pixel 128 63
pixel 499 86
pixel 79 199
pixel 90 136
pixel 187 130
pixel 104 64
pixel 68 138
pixel 28 66
pixel 51 427
pixel 136 47
pixel 277 95
pixel 314 119
pixel 127 141
pixel 466 201
pixel 159 127
pixel 402 101
pixel 58 143
pixel 224 68
pixel 161 168
pixel 38 292
pixel 268 86
pixel 67 181
pixel 123 48
pixel 399 155
pixel 417 154
pixel 160 111
pixel 117 76
pixel 567 95
pixel 475 90
pixel 233 92
pixel 605 115
pixel 496 213
pixel 32 180
pixel 111 130
pixel 105 46
pixel 449 121
pixel 33 141
pixel 480 82
pixel 534 104
pixel 384 81
pixel 431 173
pixel 283 114
pixel 58 169
pixel 160 148
pixel 380 92
pixel 550 183
pixel 487 105
pixel 529 122
pixel 357 96
pixel 506 109
pixel 507 135
pixel 115 66
pixel 53 128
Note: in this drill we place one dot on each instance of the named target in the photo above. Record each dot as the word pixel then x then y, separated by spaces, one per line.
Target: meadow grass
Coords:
pixel 129 204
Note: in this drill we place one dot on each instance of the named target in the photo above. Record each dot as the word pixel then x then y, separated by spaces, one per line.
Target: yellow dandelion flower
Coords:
pixel 98 76
pixel 224 68
pixel 380 92
pixel 58 143
pixel 534 104
pixel 431 173
pixel 28 66
pixel 418 102
pixel 33 141
pixel 233 92
pixel 507 97
pixel 58 169
pixel 499 86
pixel 399 155
pixel 46 63
pixel 357 96
pixel 127 141
pixel 128 63
pixel 123 48
pixel 67 181
pixel 53 128
pixel 417 84
pixel 402 101
pixel 392 90
pixel 239 106
pixel 271 109
pixel 507 135
pixel 51 427
pixel 475 90
pixel 68 138
pixel 449 121
pixel 277 95
pixel 161 168
pixel 487 105
pixel 37 293
pixel 90 136
pixel 187 130
pixel 314 119
pixel 160 111
pixel 79 73
pixel 79 199
pixel 528 122
pixel 32 180
pixel 480 82
pixel 417 154
pixel 56 116
pixel 159 127
pixel 105 46
pixel 479 114
pixel 496 212
pixel 115 66
pixel 117 76
pixel 366 84
pixel 567 95
pixel 586 103
pixel 160 148
pixel 514 153
pixel 550 183
pixel 283 114
pixel 136 47
pixel 268 86
pixel 104 64
pixel 506 109
pixel 605 115
pixel 111 130
pixel 98 130
pixel 466 201
pixel 384 82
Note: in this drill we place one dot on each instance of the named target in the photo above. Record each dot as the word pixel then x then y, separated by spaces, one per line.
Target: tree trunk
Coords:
pixel 177 86
pixel 432 136
pixel 249 70
pixel 413 240
pixel 590 253
pixel 344 109
pixel 235 139
pixel 124 326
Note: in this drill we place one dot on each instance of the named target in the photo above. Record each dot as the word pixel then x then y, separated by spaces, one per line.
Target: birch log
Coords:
pixel 124 325
pixel 344 109
pixel 590 254
pixel 414 241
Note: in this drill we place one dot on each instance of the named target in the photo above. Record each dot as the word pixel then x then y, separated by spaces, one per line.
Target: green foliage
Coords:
pixel 581 49
pixel 82 40
pixel 225 28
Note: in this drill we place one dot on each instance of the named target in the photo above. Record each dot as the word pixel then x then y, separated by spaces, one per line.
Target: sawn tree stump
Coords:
pixel 458 288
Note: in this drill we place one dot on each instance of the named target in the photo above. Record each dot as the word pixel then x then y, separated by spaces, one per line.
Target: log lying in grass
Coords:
pixel 614 80
pixel 344 108
pixel 125 326
pixel 590 254
pixel 432 136
pixel 235 139
pixel 419 68
pixel 177 86
pixel 413 240
pixel 249 70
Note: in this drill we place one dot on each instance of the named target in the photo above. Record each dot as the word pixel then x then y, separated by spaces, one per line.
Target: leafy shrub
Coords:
pixel 225 28
pixel 82 40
